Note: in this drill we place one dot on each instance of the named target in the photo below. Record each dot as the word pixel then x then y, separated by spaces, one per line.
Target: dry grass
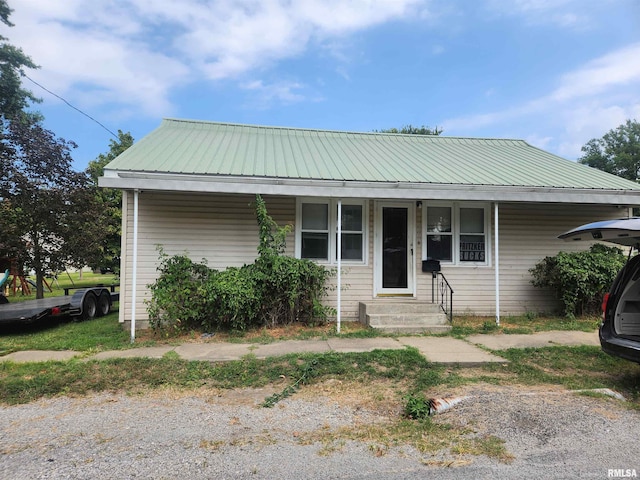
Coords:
pixel 294 331
pixel 529 323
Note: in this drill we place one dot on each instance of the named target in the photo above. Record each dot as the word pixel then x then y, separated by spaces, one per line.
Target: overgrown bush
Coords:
pixel 276 289
pixel 580 279
pixel 177 295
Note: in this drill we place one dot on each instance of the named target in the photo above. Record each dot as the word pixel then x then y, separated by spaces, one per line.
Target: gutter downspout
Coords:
pixel 134 271
pixel 497 261
pixel 339 263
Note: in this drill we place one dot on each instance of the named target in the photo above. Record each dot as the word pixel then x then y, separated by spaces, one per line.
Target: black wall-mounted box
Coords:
pixel 430 265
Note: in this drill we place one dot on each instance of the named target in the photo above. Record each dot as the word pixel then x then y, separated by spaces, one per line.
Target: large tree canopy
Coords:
pixel 110 200
pixel 13 98
pixel 52 218
pixel 617 152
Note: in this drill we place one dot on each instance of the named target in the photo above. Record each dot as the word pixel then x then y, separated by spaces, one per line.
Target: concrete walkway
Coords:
pixel 442 350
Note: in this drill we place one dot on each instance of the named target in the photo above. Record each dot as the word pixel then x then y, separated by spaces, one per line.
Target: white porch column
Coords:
pixel 497 260
pixel 339 263
pixel 134 270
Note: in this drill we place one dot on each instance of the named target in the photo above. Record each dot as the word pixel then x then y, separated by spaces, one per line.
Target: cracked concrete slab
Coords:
pixel 451 351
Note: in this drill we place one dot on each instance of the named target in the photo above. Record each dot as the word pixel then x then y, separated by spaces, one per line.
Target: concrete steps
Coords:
pixel 398 316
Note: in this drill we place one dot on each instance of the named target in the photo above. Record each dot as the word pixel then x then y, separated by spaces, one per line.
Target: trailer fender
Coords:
pixel 88 303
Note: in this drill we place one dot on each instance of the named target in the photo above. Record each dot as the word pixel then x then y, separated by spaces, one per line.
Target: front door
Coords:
pixel 394 249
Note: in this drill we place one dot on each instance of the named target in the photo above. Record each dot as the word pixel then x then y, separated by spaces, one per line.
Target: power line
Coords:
pixel 75 108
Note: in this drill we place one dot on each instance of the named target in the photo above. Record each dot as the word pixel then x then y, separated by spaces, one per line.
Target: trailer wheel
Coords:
pixel 104 304
pixel 89 306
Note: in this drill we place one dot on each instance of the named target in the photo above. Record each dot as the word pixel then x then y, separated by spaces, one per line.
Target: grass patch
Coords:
pixel 25 382
pixel 582 367
pixel 104 333
pixel 70 280
pixel 523 324
pixel 424 435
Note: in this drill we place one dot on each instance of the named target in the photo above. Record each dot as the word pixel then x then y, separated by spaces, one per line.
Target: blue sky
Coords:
pixel 553 72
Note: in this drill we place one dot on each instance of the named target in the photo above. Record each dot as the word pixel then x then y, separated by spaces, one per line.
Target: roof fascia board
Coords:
pixel 336 189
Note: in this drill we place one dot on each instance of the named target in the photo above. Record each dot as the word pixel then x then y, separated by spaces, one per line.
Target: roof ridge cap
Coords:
pixel 345 132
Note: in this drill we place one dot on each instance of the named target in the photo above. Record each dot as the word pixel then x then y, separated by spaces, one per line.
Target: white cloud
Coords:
pixel 285 92
pixel 135 52
pixel 562 13
pixel 616 69
pixel 587 103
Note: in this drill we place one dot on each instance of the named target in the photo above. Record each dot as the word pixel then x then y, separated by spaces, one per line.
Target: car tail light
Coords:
pixel 55 311
pixel 605 300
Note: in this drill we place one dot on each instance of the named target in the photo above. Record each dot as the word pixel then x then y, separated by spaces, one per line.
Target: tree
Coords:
pixel 51 216
pixel 13 98
pixel 110 200
pixel 410 129
pixel 617 152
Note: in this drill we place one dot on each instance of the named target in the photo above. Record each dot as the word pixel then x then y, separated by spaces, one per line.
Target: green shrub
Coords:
pixel 177 294
pixel 580 279
pixel 276 289
pixel 232 299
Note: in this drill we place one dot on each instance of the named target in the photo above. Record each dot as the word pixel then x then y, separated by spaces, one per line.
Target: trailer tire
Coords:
pixel 104 304
pixel 89 306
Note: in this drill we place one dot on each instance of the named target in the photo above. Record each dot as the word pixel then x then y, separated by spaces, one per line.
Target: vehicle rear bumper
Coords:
pixel 617 346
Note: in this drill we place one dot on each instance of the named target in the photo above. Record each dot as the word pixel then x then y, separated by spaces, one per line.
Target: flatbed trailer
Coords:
pixel 85 303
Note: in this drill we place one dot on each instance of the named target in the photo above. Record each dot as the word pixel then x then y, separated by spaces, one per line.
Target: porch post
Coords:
pixel 339 263
pixel 134 270
pixel 497 261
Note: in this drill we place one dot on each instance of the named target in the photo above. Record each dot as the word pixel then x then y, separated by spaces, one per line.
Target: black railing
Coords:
pixel 442 293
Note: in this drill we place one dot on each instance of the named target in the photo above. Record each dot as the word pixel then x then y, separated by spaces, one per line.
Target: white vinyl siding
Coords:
pixel 219 228
pixel 528 233
pixel 222 229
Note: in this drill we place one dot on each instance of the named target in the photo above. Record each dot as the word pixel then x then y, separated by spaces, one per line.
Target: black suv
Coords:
pixel 620 328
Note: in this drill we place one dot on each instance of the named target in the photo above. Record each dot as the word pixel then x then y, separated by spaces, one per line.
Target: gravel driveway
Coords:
pixel 224 435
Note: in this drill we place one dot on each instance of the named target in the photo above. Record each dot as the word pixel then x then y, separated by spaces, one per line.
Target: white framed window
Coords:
pixel 456 233
pixel 317 230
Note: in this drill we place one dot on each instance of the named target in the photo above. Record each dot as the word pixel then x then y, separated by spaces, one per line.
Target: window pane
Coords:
pixel 438 219
pixel 352 218
pixel 472 220
pixel 351 246
pixel 472 248
pixel 315 216
pixel 439 247
pixel 315 245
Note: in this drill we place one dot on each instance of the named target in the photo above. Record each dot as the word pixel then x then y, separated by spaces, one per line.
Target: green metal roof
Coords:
pixel 222 149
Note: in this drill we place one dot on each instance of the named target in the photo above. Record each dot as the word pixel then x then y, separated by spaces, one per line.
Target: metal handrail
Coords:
pixel 444 293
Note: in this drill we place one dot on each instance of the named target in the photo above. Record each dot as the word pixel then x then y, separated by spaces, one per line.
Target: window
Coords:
pixel 472 244
pixel 317 230
pixel 439 241
pixel 456 233
pixel 352 232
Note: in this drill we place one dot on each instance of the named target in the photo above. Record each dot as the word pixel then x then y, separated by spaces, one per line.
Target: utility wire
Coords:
pixel 76 109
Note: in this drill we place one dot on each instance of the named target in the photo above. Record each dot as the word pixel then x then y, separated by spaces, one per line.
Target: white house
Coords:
pixel 487 209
